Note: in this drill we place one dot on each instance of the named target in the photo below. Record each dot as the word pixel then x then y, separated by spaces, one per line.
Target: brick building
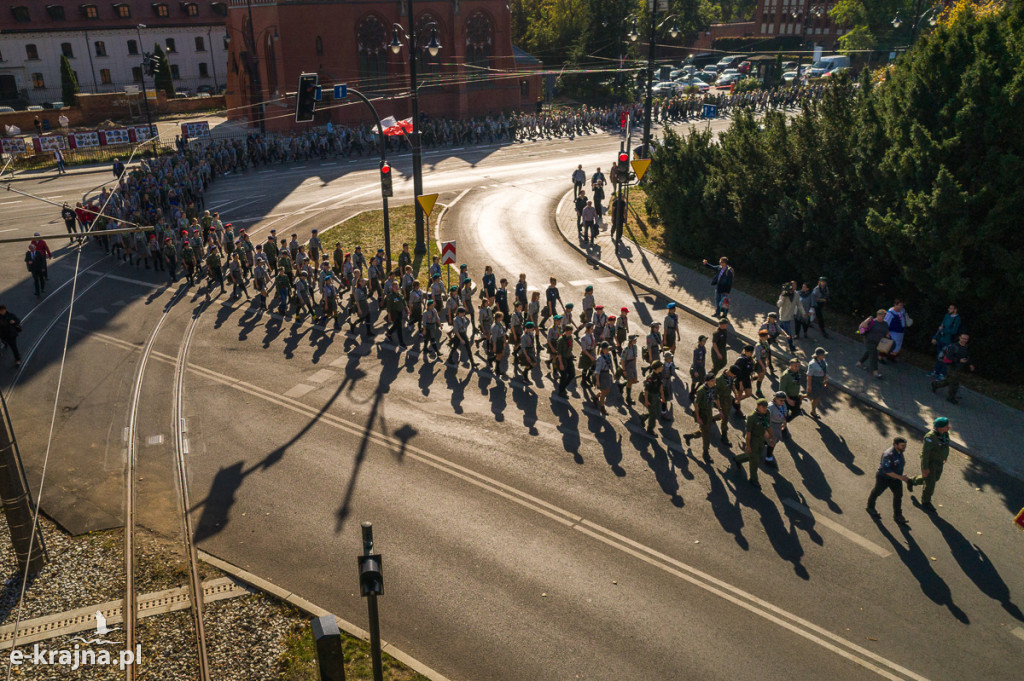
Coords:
pixel 476 72
pixel 101 42
pixel 805 21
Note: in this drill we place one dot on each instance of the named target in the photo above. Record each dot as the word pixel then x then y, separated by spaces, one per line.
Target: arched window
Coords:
pixel 371 41
pixel 425 27
pixel 479 42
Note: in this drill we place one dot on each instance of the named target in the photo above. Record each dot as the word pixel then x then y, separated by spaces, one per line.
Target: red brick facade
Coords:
pixel 475 72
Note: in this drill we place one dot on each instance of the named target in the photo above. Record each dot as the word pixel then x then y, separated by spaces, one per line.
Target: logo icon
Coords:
pixel 101 630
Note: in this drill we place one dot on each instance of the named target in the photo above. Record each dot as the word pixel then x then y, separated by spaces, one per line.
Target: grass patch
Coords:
pixel 367 230
pixel 298 661
pixel 650 234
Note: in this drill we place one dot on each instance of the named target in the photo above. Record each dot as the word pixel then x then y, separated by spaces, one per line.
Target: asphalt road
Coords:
pixel 523 536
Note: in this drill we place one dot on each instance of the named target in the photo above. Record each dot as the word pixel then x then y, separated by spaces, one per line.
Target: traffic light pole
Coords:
pixel 17 503
pixel 383 159
pixel 417 158
pixel 371 584
pixel 145 60
pixel 650 84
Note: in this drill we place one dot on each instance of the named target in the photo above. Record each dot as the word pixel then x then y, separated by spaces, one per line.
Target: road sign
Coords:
pixel 341 91
pixel 447 252
pixel 640 167
pixel 427 202
pixel 710 111
pixel 1019 519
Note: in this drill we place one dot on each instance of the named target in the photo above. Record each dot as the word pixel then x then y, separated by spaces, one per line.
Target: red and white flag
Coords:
pixel 393 127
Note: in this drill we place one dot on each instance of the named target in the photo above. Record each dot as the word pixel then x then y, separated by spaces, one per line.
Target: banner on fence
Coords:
pixel 119 136
pixel 84 140
pixel 198 129
pixel 49 143
pixel 14 145
pixel 142 133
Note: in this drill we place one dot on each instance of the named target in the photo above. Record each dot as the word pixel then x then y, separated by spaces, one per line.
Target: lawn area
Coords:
pixel 298 662
pixel 650 234
pixel 367 230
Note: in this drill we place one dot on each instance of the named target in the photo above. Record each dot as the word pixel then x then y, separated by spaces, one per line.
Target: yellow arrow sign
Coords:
pixel 640 167
pixel 427 202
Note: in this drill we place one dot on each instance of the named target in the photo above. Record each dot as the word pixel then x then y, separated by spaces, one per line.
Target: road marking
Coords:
pixel 606 280
pixel 580 282
pixel 299 390
pixel 154 440
pixel 99 310
pixel 1019 633
pixel 322 376
pixel 127 280
pixel 12 229
pixel 795 624
pixel 837 528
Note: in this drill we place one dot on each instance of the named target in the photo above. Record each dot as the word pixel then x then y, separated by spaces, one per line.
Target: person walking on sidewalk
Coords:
pixel 934 453
pixel 889 476
pixel 873 330
pixel 579 177
pixel 817 379
pixel 898 321
pixel 819 299
pixel 957 359
pixel 580 203
pixel 589 217
pixel 790 309
pixel 67 214
pixel 722 281
pixel 947 333
pixel 36 264
pixel 58 157
pixel 803 313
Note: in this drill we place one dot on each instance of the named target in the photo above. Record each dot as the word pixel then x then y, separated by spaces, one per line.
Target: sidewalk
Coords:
pixel 51 172
pixel 904 394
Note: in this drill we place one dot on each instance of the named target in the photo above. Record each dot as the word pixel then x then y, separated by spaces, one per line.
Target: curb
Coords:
pixel 860 396
pixel 30 175
pixel 316 611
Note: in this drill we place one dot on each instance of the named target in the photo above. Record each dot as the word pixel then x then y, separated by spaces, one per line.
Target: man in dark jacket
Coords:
pixel 957 358
pixel 722 281
pixel 10 327
pixel 36 264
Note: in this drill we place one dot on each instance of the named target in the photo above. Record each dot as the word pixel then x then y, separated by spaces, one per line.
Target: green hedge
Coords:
pixel 909 189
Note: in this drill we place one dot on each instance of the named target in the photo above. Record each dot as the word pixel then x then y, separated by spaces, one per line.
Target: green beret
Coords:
pixel 941 422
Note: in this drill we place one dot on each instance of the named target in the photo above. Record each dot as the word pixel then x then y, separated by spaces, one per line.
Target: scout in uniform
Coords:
pixel 432 328
pixel 171 256
pixel 934 453
pixel 415 302
pixel 608 335
pixel 889 476
pixel 452 306
pixel 260 277
pixel 653 392
pixel 790 384
pixel 501 299
pixel 588 304
pixel 719 346
pixel 567 371
pixel 282 289
pixel 460 337
pixel 329 299
pixel 358 259
pixel 437 289
pixel 305 296
pixel 466 300
pixel 603 370
pixel 588 349
pixel 758 435
pixel 621 328
pixel 213 267
pixel 407 280
pixel 628 368
pixel 703 404
pixel 600 319
pixel 698 364
pixel 762 359
pixel 553 334
pixel 652 348
pixel 404 258
pixel 284 263
pixel 361 301
pixel 486 317
pixel 723 400
pixel 778 416
pixel 497 344
pixel 515 323
pixel 671 328
pixel 527 353
pixel 551 298
pixel 668 372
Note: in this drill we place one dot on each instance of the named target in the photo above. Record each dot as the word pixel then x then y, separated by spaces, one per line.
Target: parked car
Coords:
pixel 708 76
pixel 788 66
pixel 694 82
pixel 728 79
pixel 729 72
pixel 731 61
pixel 826 66
pixel 34 107
pixel 790 77
pixel 6 109
pixel 744 67
pixel 209 89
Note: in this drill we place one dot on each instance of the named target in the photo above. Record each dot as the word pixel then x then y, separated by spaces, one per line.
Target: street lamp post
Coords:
pixel 145 99
pixel 417 159
pixel 919 18
pixel 633 35
pixel 256 94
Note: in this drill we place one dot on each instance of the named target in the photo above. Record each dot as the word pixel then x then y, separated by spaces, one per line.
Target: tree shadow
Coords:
pixel 976 565
pixel 932 585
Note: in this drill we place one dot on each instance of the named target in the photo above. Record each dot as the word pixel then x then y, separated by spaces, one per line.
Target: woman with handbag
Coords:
pixel 874 330
pixel 898 321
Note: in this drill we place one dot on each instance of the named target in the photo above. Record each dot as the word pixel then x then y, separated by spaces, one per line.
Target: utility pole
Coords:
pixel 145 99
pixel 371 585
pixel 17 502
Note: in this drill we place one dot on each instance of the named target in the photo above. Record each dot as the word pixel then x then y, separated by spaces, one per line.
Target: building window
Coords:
pixel 191 9
pixel 137 74
pixel 160 9
pixel 200 44
pixel 90 12
pixel 175 72
pixel 56 12
pixel 170 45
pixel 101 49
pixel 31 52
pixel 67 51
pixel 37 81
pixel 371 41
pixel 133 47
pixel 123 9
pixel 204 70
pixel 319 46
pixel 105 76
pixel 21 14
pixel 479 40
pixel 219 8
pixel 430 65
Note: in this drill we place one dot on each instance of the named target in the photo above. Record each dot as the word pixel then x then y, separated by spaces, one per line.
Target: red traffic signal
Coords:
pixel 623 157
pixel 385 168
pixel 385 179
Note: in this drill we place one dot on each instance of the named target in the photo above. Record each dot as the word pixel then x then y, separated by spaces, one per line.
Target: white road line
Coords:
pixel 580 282
pixel 299 390
pixel 12 229
pixel 806 629
pixel 99 310
pixel 606 280
pixel 1019 633
pixel 837 528
pixel 139 282
pixel 322 376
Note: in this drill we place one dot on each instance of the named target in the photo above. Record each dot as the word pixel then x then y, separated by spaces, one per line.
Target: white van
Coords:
pixel 826 66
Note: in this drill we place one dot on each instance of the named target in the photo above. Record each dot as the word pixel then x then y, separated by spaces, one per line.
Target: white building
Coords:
pixel 104 44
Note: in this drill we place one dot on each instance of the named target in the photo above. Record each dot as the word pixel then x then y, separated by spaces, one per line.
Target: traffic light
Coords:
pixel 151 63
pixel 620 170
pixel 385 179
pixel 305 98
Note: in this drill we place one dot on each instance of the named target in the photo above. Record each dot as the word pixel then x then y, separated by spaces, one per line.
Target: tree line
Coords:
pixel 908 187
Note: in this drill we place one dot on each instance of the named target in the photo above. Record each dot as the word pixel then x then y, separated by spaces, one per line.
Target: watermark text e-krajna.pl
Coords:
pixel 77 657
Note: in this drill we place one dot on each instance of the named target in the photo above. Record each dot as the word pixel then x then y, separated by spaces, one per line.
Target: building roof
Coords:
pixel 35 16
pixel 524 58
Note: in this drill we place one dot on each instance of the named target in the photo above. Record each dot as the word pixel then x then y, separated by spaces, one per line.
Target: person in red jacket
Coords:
pixel 42 247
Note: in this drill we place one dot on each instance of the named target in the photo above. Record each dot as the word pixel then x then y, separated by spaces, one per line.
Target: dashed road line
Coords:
pixel 300 390
pixel 322 376
pixel 837 528
pixel 581 282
